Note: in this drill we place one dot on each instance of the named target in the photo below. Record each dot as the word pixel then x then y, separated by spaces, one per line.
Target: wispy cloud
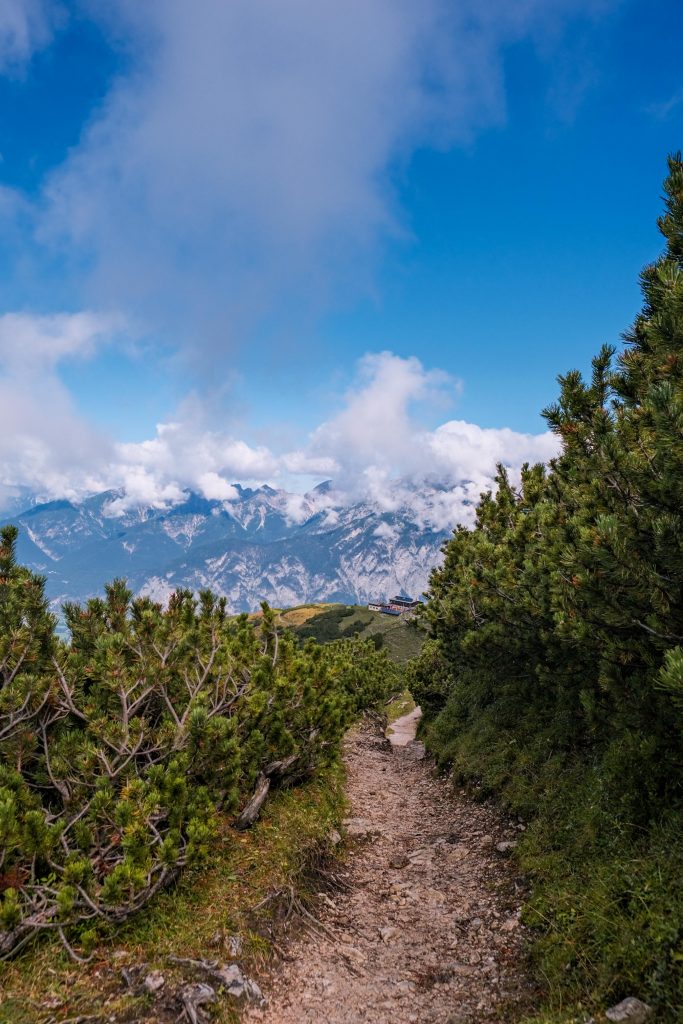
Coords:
pixel 664 108
pixel 246 158
pixel 31 343
pixel 25 26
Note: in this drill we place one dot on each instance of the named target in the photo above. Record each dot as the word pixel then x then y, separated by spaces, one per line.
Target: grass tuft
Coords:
pixel 400 705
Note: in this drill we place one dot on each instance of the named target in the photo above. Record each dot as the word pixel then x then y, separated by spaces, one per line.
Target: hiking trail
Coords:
pixel 427 928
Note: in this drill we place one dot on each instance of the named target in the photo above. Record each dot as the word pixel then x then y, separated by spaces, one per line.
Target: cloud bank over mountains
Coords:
pixel 373 448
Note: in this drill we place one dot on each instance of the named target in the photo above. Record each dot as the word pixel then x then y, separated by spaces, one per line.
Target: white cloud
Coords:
pixel 297 508
pixel 185 455
pixel 215 488
pixel 25 26
pixel 376 446
pixel 375 424
pixel 248 152
pixel 141 488
pixel 386 531
pixel 30 343
pixel 385 455
pixel 45 444
pixel 376 441
pixel 465 451
pixel 305 463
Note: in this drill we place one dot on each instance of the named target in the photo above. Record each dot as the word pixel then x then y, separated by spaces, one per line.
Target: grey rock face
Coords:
pixel 248 550
pixel 629 1011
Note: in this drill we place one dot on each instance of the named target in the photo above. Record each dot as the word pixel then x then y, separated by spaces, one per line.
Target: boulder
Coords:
pixel 506 847
pixel 629 1011
pixel 237 984
pixel 154 981
pixel 193 998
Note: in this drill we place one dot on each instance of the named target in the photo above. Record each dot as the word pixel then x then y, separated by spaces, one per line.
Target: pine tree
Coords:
pixel 554 672
pixel 119 749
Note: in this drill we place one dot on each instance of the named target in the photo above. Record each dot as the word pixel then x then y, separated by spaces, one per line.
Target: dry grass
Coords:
pixel 293 617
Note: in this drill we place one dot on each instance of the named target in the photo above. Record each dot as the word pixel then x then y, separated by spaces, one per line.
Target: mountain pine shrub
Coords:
pixel 118 749
pixel 554 670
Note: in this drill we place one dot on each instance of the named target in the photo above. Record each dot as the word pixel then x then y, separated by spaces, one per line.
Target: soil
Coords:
pixel 427 927
pixel 402 731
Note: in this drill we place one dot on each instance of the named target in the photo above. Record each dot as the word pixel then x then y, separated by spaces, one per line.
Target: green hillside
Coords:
pixel 402 638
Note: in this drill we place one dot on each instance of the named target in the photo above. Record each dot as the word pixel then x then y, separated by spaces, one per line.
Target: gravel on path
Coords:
pixel 429 929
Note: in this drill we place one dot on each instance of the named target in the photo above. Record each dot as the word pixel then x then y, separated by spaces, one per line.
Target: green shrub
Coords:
pixel 327 625
pixel 118 749
pixel 554 672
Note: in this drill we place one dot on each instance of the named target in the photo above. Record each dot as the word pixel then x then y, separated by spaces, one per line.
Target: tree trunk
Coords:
pixel 253 808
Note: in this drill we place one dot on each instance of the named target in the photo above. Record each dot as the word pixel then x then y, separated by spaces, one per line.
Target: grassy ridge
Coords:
pixel 401 638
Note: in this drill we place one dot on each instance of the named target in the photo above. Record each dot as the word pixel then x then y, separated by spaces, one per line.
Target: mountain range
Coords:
pixel 265 544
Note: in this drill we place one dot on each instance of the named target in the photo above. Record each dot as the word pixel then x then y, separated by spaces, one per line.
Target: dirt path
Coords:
pixel 428 930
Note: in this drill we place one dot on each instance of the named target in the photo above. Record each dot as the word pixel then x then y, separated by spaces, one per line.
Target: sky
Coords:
pixel 289 240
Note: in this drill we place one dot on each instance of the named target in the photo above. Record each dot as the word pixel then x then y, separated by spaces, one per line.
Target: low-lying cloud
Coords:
pixel 375 449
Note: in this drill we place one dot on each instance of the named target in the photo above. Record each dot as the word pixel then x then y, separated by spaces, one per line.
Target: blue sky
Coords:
pixel 251 202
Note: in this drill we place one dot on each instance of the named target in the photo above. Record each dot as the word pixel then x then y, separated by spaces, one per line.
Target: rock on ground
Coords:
pixel 629 1011
pixel 429 929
